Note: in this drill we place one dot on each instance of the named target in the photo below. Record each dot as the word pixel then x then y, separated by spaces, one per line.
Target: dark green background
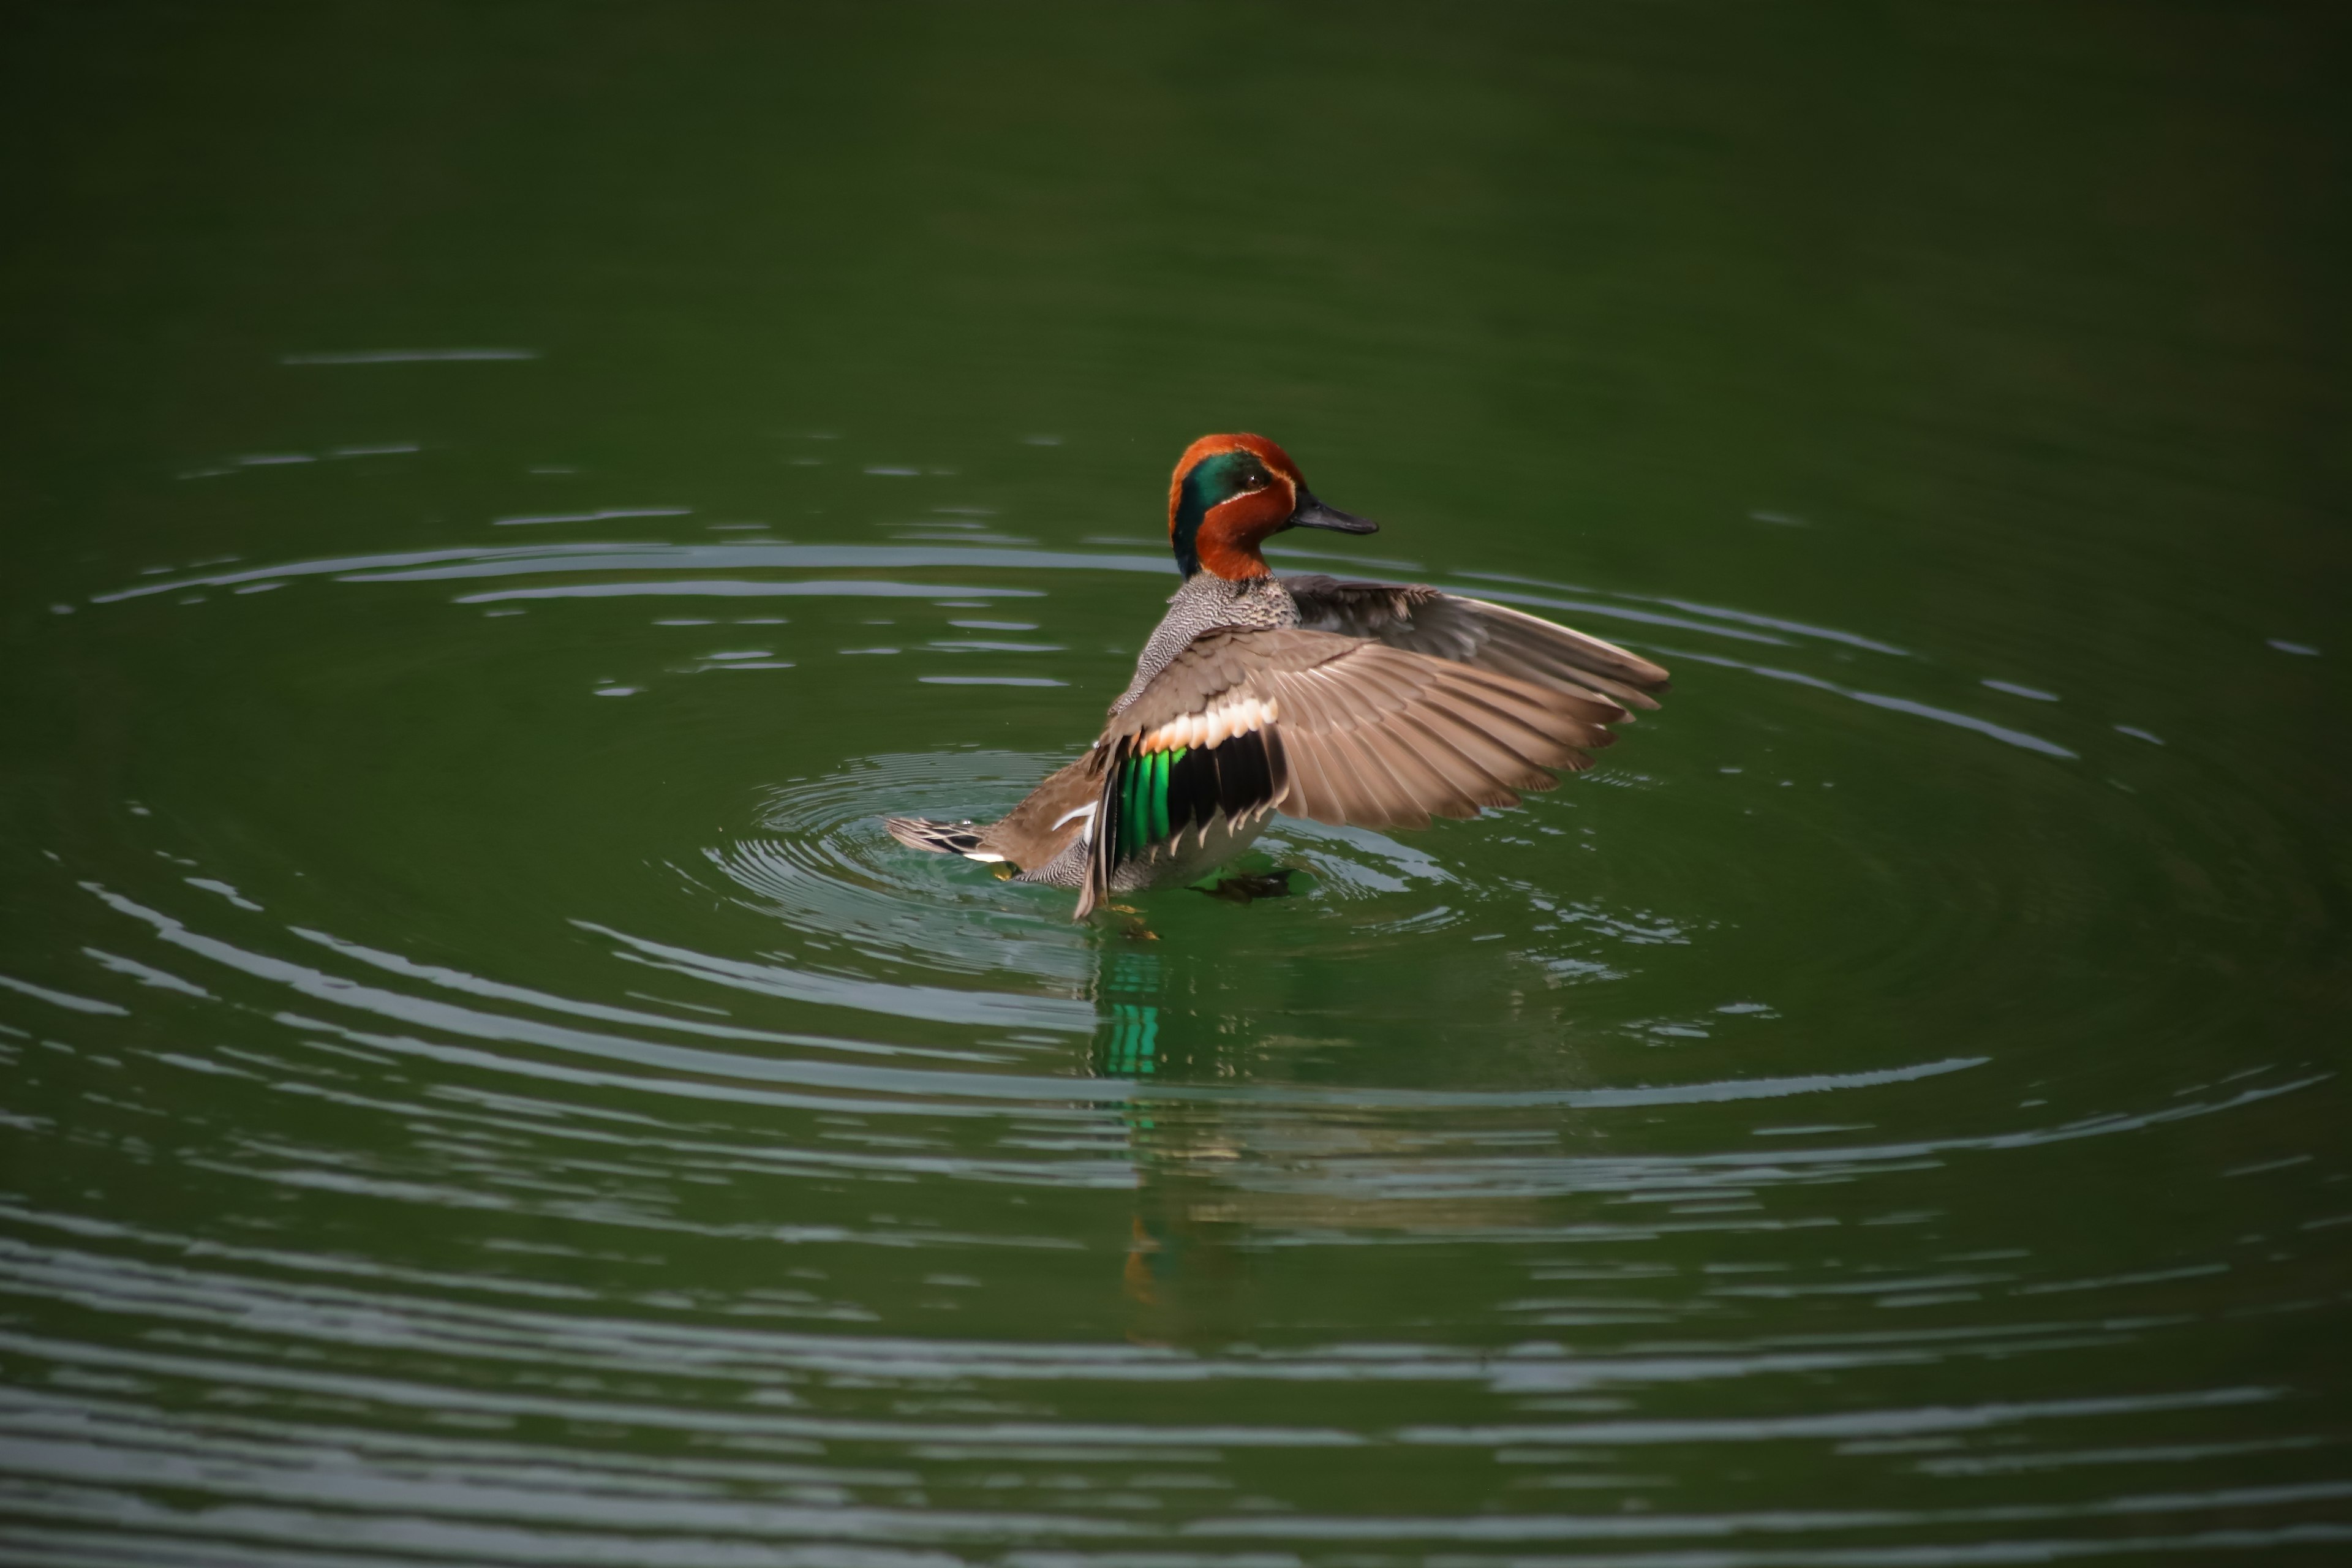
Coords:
pixel 1876 1117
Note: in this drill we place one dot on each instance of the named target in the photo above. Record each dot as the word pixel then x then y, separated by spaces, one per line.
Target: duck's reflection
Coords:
pixel 1184 1277
pixel 1227 1163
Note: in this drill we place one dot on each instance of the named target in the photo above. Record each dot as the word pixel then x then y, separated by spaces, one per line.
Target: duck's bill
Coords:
pixel 1313 513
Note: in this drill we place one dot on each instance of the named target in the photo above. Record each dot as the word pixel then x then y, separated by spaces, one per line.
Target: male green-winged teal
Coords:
pixel 1376 704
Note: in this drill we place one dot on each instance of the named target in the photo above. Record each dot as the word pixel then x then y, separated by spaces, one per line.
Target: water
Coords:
pixel 498 507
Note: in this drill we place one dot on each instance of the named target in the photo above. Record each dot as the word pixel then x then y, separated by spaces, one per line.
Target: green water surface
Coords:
pixel 497 502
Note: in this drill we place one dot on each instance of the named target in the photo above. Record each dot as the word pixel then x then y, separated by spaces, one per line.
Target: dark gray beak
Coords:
pixel 1313 513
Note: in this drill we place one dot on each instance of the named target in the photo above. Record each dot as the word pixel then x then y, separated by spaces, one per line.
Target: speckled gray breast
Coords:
pixel 1205 604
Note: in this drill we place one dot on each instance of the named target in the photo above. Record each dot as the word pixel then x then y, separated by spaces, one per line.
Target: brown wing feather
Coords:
pixel 1421 619
pixel 1464 785
pixel 1310 795
pixel 1376 798
pixel 1447 781
pixel 1482 772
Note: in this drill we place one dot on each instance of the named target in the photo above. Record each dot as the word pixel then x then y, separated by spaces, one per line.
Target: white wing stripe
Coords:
pixel 1229 716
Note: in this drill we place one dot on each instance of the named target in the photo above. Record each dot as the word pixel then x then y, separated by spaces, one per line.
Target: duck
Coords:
pixel 1353 703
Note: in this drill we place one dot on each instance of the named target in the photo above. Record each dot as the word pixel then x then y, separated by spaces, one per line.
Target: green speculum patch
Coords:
pixel 1144 817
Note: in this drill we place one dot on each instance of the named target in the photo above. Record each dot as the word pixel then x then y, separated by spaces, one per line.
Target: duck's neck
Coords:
pixel 1233 562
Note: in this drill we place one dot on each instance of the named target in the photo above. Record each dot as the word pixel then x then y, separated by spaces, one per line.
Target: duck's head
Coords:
pixel 1230 494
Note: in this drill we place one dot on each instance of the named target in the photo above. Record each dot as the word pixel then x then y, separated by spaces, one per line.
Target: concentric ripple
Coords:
pixel 623 1152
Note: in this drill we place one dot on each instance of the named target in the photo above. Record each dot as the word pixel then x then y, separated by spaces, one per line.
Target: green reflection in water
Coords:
pixel 1184 1277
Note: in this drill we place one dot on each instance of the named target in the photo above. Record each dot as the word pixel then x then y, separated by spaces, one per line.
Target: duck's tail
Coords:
pixel 944 838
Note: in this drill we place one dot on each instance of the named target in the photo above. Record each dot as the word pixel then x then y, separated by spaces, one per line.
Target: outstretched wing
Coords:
pixel 1338 728
pixel 1471 631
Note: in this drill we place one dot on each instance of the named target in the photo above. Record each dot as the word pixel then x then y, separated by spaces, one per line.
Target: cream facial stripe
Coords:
pixel 1228 716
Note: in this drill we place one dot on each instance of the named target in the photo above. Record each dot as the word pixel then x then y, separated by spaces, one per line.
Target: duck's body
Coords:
pixel 1376 704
